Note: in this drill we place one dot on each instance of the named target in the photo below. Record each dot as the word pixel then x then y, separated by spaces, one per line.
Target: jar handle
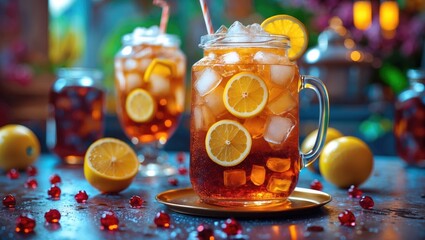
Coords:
pixel 310 82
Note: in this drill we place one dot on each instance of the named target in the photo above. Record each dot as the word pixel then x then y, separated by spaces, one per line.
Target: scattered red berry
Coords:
pixel 181 157
pixel 109 221
pixel 25 224
pixel 347 218
pixel 54 192
pixel 12 174
pixel 354 192
pixel 366 202
pixel 31 171
pixel 182 170
pixel 173 181
pixel 136 201
pixel 55 179
pixel 52 216
pixel 231 227
pixel 9 201
pixel 315 228
pixel 162 219
pixel 316 185
pixel 31 183
pixel 81 196
pixel 205 233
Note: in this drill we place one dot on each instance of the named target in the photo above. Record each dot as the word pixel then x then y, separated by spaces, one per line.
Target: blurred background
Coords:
pixel 361 50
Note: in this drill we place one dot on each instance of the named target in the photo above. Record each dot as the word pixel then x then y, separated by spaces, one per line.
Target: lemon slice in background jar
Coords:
pixel 162 67
pixel 110 165
pixel 140 106
pixel 228 143
pixel 245 95
pixel 290 27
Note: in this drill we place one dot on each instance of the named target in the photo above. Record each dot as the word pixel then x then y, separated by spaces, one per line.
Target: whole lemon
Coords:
pixel 19 147
pixel 346 161
pixel 310 139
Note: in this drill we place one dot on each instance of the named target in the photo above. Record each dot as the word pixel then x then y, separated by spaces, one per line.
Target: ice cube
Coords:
pixel 279 185
pixel 234 178
pixel 282 103
pixel 207 81
pixel 237 28
pixel 222 29
pixel 255 29
pixel 181 68
pixel 278 164
pixel 266 58
pixel 231 58
pixel 282 75
pixel 118 64
pixel 146 52
pixel 133 81
pixel 214 101
pixel 130 64
pixel 258 175
pixel 255 126
pixel 203 117
pixel 278 129
pixel 144 64
pixel 159 85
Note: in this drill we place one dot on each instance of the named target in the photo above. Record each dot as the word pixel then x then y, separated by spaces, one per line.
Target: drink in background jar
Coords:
pixel 409 127
pixel 76 113
pixel 149 80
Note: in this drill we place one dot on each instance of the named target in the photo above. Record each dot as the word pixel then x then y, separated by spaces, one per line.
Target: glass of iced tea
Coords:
pixel 149 80
pixel 245 118
pixel 76 113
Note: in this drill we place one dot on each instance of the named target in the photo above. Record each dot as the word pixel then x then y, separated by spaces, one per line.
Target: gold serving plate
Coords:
pixel 186 201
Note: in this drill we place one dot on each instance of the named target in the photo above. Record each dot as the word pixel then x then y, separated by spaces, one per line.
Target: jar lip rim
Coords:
pixel 165 39
pixel 223 39
pixel 78 72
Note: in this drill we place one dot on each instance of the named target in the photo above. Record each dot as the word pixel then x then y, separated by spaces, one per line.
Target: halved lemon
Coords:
pixel 290 27
pixel 245 95
pixel 140 105
pixel 110 165
pixel 163 67
pixel 228 143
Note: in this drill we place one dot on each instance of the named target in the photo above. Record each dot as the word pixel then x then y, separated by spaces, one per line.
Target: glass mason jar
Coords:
pixel 150 72
pixel 244 147
pixel 409 126
pixel 75 113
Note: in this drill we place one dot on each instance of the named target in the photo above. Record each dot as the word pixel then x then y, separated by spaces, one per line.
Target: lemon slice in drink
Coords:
pixel 110 165
pixel 140 105
pixel 290 27
pixel 162 67
pixel 245 95
pixel 228 143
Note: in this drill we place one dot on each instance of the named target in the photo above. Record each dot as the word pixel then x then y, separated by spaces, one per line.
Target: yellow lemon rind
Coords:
pixel 149 111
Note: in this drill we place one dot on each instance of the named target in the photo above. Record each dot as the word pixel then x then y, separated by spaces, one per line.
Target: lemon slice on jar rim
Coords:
pixel 291 27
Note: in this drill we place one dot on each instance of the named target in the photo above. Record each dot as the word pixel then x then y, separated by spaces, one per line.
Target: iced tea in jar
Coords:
pixel 245 118
pixel 150 71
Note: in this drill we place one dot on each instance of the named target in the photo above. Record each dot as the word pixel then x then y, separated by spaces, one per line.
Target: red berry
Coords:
pixel 366 202
pixel 347 218
pixel 54 192
pixel 81 196
pixel 315 228
pixel 162 219
pixel 354 192
pixel 181 157
pixel 182 170
pixel 55 179
pixel 316 185
pixel 9 201
pixel 173 181
pixel 231 227
pixel 136 201
pixel 205 233
pixel 25 224
pixel 31 183
pixel 32 171
pixel 12 174
pixel 52 216
pixel 109 221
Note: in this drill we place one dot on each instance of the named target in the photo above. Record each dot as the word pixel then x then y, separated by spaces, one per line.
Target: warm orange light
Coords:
pixel 293 232
pixel 362 14
pixel 355 56
pixel 388 15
